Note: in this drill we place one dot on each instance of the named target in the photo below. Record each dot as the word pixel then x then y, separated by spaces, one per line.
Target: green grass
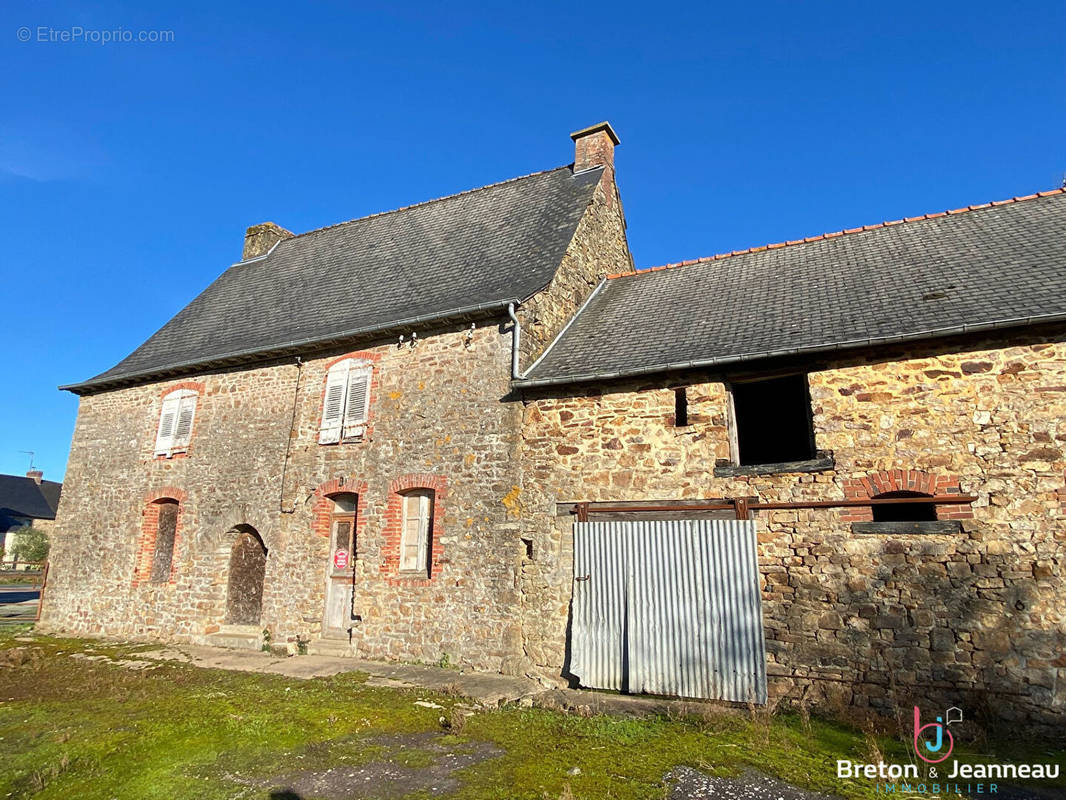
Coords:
pixel 74 728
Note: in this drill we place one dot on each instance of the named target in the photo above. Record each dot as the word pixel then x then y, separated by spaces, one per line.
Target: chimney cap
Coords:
pixel 604 126
pixel 35 475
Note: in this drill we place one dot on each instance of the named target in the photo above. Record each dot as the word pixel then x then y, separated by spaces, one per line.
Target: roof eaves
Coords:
pixel 717 361
pixel 280 349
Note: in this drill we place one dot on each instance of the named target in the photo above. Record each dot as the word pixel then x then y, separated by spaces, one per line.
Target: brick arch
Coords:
pixel 165 493
pixel 322 509
pixel 142 566
pixel 903 480
pixel 358 355
pixel 194 386
pixel 390 564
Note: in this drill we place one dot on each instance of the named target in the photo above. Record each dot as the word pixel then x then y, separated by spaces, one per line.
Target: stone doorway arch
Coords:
pixel 247 567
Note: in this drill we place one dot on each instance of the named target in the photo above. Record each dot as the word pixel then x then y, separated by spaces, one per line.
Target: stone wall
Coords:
pixel 254 460
pixel 976 617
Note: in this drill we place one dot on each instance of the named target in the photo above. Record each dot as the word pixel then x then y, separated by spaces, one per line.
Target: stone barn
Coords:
pixel 828 470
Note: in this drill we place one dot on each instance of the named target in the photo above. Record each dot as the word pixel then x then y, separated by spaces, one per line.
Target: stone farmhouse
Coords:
pixel 829 470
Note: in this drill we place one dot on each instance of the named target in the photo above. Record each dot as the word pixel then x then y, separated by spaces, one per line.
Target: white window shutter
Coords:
pixel 333 404
pixel 413 541
pixel 168 422
pixel 423 531
pixel 357 402
pixel 183 430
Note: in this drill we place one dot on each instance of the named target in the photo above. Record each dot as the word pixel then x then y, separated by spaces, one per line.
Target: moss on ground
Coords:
pixel 71 727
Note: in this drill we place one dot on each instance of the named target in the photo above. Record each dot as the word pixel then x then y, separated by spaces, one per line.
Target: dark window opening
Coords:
pixel 528 545
pixel 681 407
pixel 166 529
pixel 773 421
pixel 903 512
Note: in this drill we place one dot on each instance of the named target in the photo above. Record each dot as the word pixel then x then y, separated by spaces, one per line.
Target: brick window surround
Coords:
pixel 359 355
pixel 142 570
pixel 390 564
pixel 322 510
pixel 902 480
pixel 192 386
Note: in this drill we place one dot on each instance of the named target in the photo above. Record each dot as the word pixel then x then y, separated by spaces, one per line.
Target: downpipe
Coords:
pixel 516 341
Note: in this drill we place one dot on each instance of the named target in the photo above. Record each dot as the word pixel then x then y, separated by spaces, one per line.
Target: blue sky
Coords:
pixel 128 171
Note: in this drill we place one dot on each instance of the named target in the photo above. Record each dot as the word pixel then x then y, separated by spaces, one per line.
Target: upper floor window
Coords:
pixel 417 530
pixel 175 422
pixel 346 404
pixel 772 421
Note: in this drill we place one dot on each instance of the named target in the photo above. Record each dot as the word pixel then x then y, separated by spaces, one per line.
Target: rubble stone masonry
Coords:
pixel 254 460
pixel 975 618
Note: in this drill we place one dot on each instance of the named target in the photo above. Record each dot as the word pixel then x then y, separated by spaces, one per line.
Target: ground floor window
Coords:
pixel 417 530
pixel 166 529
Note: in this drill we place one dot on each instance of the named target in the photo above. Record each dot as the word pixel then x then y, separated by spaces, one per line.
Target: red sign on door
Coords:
pixel 340 559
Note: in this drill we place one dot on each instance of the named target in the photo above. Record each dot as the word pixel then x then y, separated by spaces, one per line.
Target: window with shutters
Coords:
pixel 346 402
pixel 417 532
pixel 176 422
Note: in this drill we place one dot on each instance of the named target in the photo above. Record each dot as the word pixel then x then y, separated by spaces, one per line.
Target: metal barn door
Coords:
pixel 669 608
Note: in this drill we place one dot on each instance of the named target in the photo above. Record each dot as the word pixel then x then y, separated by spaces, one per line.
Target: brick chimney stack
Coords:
pixel 594 147
pixel 36 474
pixel 258 239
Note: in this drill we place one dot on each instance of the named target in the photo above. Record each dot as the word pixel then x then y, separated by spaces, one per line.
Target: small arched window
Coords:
pixel 166 530
pixel 346 403
pixel 417 531
pixel 903 512
pixel 175 422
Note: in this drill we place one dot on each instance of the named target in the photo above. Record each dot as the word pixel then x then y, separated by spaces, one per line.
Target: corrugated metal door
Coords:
pixel 669 608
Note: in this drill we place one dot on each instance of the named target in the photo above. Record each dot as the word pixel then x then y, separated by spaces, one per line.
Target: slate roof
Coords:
pixel 997 265
pixel 453 256
pixel 22 497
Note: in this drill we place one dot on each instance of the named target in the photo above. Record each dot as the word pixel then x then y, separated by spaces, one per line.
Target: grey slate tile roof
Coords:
pixel 474 250
pixel 23 497
pixel 991 266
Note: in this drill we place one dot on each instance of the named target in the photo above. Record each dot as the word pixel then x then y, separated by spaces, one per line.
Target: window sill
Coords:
pixel 940 526
pixel 346 440
pixel 822 463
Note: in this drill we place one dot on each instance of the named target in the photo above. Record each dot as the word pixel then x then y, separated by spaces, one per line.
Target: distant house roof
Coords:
pixel 997 265
pixel 458 255
pixel 23 497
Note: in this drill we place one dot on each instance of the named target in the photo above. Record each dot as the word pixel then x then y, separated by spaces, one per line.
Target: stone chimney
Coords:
pixel 36 475
pixel 594 147
pixel 258 239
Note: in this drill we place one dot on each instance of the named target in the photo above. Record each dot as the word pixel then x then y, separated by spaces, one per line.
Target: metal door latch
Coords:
pixel 585 578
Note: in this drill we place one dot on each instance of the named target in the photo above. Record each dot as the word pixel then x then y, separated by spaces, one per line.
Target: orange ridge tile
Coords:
pixel 835 234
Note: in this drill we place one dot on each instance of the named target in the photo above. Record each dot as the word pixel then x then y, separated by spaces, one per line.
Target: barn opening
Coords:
pixel 247 567
pixel 903 512
pixel 773 421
